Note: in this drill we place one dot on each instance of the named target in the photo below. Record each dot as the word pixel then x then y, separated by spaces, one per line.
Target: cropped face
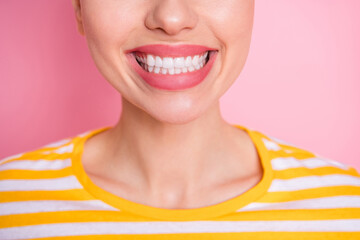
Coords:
pixel 172 59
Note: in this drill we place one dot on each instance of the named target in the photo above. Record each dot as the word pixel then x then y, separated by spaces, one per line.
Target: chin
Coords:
pixel 177 119
pixel 173 115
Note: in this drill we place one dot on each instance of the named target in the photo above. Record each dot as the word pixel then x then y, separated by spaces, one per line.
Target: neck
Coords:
pixel 173 158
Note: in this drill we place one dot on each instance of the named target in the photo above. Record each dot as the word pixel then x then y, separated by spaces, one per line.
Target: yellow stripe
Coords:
pixel 295 153
pixel 75 194
pixel 35 174
pixel 71 140
pixel 305 172
pixel 116 216
pixel 310 193
pixel 290 214
pixel 221 236
pixel 39 153
pixel 299 153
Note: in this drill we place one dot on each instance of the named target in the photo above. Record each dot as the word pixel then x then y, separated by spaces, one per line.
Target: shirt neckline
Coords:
pixel 207 212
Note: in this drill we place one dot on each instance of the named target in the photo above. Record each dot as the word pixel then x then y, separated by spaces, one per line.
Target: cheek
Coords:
pixel 108 24
pixel 232 25
pixel 232 21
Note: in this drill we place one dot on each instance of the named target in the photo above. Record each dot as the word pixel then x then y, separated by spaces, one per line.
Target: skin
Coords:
pixel 170 149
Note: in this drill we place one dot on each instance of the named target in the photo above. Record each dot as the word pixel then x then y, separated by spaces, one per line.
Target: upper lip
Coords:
pixel 172 50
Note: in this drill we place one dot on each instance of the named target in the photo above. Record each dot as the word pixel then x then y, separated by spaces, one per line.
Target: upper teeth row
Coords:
pixel 169 63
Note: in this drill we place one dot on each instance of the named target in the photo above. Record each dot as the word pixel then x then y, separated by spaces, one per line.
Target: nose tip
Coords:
pixel 171 17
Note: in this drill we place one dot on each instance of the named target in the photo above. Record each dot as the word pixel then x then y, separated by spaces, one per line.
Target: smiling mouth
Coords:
pixel 172 65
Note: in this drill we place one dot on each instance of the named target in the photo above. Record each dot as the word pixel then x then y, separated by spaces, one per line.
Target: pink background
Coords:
pixel 301 82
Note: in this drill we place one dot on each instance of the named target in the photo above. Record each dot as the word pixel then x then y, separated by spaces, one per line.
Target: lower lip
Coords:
pixel 173 82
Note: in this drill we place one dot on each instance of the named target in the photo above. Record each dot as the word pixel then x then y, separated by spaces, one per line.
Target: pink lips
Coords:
pixel 176 81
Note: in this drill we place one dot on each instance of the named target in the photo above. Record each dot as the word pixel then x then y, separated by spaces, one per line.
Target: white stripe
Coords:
pixel 316 203
pixel 283 142
pixel 291 162
pixel 83 134
pixel 270 145
pixel 40 165
pixel 66 149
pixel 309 182
pixel 57 143
pixel 64 183
pixel 3 160
pixel 162 227
pixel 21 207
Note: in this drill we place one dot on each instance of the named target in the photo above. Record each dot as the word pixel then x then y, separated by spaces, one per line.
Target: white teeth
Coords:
pixel 195 60
pixel 177 71
pixel 150 60
pixel 168 65
pixel 188 62
pixel 158 61
pixel 179 62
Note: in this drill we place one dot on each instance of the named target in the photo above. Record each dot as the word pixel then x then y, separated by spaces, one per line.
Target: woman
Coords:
pixel 172 168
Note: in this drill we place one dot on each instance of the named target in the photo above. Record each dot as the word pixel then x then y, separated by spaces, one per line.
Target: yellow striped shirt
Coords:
pixel 46 194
